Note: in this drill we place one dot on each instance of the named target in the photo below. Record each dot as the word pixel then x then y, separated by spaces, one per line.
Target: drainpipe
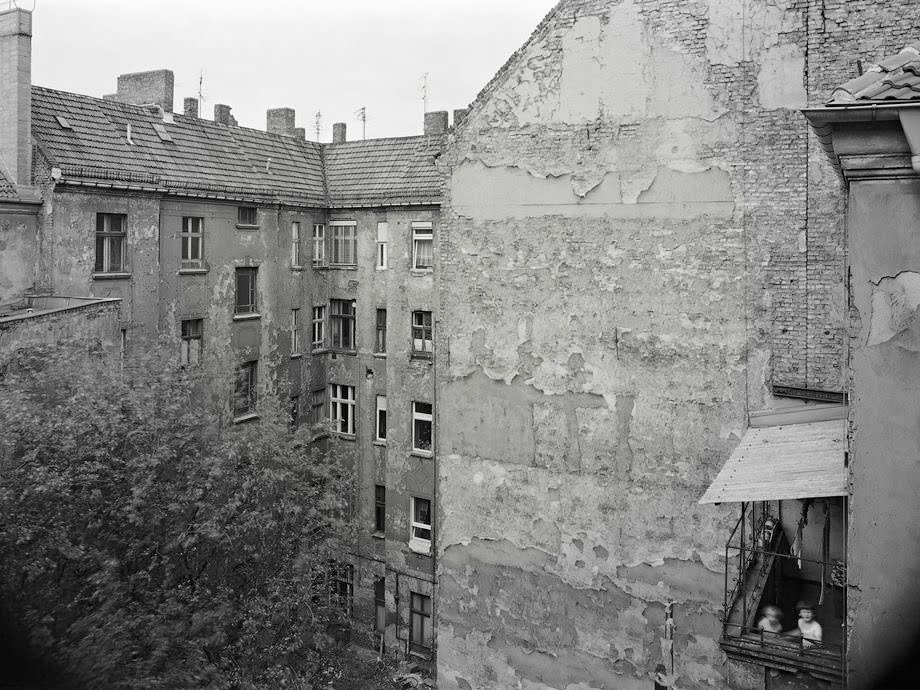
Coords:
pixel 910 122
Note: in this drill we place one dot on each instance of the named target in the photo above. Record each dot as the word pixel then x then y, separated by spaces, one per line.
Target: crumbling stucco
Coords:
pixel 895 310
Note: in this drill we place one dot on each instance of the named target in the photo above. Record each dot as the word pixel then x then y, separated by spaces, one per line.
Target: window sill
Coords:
pixel 421 355
pixel 381 268
pixel 380 355
pixel 297 268
pixel 380 442
pixel 245 417
pixel 420 654
pixel 339 351
pixel 344 267
pixel 319 267
pixel 415 452
pixel 111 276
pixel 192 271
pixel 344 436
pixel 421 271
pixel 419 546
pixel 244 226
pixel 379 535
pixel 247 317
pixel 297 355
pixel 318 350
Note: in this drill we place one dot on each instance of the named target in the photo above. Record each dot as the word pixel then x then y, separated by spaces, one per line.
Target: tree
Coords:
pixel 146 541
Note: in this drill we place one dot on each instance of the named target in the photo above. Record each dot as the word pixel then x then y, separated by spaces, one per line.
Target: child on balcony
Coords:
pixel 808 629
pixel 771 620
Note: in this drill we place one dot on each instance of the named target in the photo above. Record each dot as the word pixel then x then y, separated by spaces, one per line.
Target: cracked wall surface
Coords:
pixel 638 239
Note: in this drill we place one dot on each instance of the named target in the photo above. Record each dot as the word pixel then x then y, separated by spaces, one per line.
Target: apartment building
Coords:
pixel 305 271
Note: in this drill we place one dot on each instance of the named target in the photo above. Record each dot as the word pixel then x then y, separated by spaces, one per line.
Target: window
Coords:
pixel 295 244
pixel 344 587
pixel 382 231
pixel 245 291
pixel 342 408
pixel 319 244
pixel 295 410
pixel 422 247
pixel 344 243
pixel 295 332
pixel 380 508
pixel 247 215
pixel 317 403
pixel 319 327
pixel 191 341
pixel 381 434
pixel 244 395
pixel 342 323
pixel 421 427
pixel 380 607
pixel 380 343
pixel 419 622
pixel 420 534
pixel 192 237
pixel 422 334
pixel 111 238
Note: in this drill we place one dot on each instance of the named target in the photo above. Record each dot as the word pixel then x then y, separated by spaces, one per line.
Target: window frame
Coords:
pixel 380 611
pixel 318 257
pixel 422 231
pixel 342 323
pixel 318 336
pixel 382 245
pixel 296 253
pixel 246 387
pixel 380 423
pixel 380 332
pixel 419 417
pixel 295 411
pixel 343 250
pixel 187 234
pixel 244 214
pixel 343 579
pixel 419 623
pixel 380 508
pixel 295 332
pixel 342 408
pixel 419 344
pixel 105 238
pixel 420 544
pixel 187 338
pixel 251 308
pixel 318 414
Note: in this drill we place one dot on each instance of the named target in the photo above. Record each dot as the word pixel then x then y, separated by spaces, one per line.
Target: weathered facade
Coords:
pixel 641 243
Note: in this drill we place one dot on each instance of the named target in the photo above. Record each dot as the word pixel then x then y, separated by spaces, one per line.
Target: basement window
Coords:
pixel 161 132
pixel 63 122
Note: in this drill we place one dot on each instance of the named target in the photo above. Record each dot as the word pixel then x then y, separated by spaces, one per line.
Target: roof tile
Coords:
pixel 894 78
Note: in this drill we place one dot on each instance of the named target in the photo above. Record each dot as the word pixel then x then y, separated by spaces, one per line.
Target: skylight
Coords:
pixel 62 121
pixel 161 132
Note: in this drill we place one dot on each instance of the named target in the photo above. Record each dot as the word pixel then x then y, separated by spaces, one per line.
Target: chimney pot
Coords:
pixel 280 121
pixel 190 107
pixel 222 114
pixel 338 133
pixel 436 123
pixel 300 134
pixel 16 94
pixel 142 88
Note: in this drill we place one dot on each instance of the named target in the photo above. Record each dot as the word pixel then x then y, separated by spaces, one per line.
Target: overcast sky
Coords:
pixel 333 56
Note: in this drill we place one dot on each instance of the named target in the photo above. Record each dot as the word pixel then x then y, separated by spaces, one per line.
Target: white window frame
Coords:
pixel 420 544
pixel 295 331
pixel 252 211
pixel 295 245
pixel 342 406
pixel 343 243
pixel 422 232
pixel 192 342
pixel 319 244
pixel 378 427
pixel 192 229
pixel 382 239
pixel 319 327
pixel 342 323
pixel 252 295
pixel 422 347
pixel 418 416
pixel 111 260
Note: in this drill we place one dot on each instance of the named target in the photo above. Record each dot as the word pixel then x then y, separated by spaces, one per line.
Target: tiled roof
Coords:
pixel 7 189
pixel 384 171
pixel 894 79
pixel 206 158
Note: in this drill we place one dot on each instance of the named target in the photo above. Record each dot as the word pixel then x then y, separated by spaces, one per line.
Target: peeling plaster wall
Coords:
pixel 18 252
pixel 629 261
pixel 885 369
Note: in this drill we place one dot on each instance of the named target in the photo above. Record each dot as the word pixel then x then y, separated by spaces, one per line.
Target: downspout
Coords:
pixel 910 122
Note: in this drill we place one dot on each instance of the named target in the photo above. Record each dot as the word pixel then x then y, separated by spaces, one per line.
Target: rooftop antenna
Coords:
pixel 425 92
pixel 318 123
pixel 200 84
pixel 362 115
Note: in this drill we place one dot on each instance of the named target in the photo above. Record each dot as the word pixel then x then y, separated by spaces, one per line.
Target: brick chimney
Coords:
pixel 300 134
pixel 460 115
pixel 280 121
pixel 190 107
pixel 222 115
pixel 338 133
pixel 16 94
pixel 143 88
pixel 436 122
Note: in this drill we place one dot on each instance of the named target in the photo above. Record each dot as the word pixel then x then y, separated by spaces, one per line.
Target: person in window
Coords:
pixel 771 620
pixel 808 629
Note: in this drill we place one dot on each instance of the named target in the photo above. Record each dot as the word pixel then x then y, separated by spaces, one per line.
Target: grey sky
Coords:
pixel 334 56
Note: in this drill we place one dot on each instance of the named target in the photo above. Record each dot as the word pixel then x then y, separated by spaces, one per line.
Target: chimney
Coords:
pixel 280 121
pixel 338 133
pixel 16 94
pixel 460 115
pixel 143 88
pixel 436 122
pixel 190 107
pixel 222 115
pixel 300 134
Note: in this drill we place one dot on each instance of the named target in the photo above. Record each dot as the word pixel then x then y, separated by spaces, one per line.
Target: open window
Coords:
pixel 788 547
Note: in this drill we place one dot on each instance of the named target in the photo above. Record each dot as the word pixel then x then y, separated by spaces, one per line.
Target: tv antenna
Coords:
pixel 362 116
pixel 200 84
pixel 318 123
pixel 425 92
